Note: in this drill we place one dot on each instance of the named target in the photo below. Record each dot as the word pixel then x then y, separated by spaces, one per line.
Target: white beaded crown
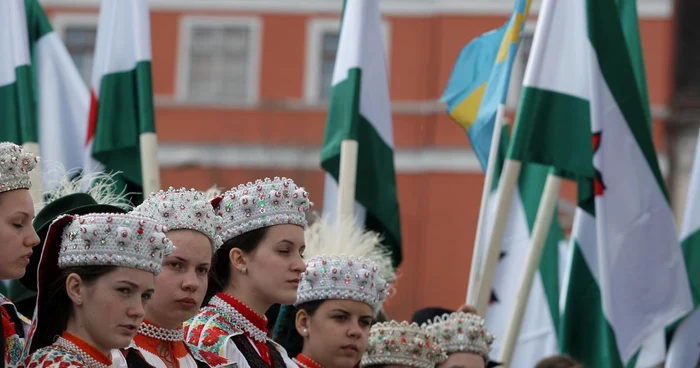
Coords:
pixel 402 344
pixel 461 332
pixel 105 239
pixel 183 209
pixel 261 204
pixel 346 262
pixel 15 165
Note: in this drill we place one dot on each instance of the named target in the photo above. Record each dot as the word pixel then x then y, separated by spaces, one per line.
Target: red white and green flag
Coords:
pixel 583 112
pixel 121 107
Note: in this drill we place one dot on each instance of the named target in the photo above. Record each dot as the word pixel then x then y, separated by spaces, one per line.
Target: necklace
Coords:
pixel 82 355
pixel 305 362
pixel 160 333
pixel 238 320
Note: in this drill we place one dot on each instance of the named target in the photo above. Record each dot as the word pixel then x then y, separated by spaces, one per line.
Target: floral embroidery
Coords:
pixel 210 331
pixel 212 359
pixel 51 357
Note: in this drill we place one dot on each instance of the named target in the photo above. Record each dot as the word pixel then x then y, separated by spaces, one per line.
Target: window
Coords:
pixel 219 60
pixel 79 33
pixel 519 65
pixel 322 46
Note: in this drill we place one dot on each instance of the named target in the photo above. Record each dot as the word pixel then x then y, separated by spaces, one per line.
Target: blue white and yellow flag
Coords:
pixel 479 80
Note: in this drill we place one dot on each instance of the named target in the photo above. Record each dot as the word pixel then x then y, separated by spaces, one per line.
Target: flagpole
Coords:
pixel 150 172
pixel 540 231
pixel 506 187
pixel 479 242
pixel 347 177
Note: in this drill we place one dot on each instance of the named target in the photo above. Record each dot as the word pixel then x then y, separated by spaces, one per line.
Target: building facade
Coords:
pixel 241 88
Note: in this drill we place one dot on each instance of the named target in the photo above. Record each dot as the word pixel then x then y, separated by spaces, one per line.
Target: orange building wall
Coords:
pixel 438 210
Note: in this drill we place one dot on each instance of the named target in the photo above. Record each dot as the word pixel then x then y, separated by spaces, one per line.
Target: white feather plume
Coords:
pixel 346 237
pixel 100 188
pixel 212 192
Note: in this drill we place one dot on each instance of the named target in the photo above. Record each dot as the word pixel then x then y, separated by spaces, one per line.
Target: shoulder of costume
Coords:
pixel 51 357
pixel 212 359
pixel 210 330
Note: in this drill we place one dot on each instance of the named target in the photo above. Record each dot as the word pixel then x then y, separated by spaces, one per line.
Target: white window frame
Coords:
pixel 315 29
pixel 518 71
pixel 188 23
pixel 62 21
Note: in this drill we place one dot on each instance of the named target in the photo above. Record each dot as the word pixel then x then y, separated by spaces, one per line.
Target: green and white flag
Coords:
pixel 121 92
pixel 62 98
pixel 16 93
pixel 583 113
pixel 360 109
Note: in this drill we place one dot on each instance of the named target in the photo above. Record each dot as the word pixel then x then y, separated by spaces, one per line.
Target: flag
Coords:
pixel 627 278
pixel 479 80
pixel 684 350
pixel 538 333
pixel 16 93
pixel 62 98
pixel 121 106
pixel 360 109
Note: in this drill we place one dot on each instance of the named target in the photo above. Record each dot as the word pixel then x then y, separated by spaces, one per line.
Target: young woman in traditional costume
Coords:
pixel 67 197
pixel 17 238
pixel 464 338
pixel 395 345
pixel 95 275
pixel 347 279
pixel 258 265
pixel 193 228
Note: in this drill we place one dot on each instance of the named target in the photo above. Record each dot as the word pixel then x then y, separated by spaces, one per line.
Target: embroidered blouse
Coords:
pixel 15 328
pixel 151 339
pixel 231 329
pixel 305 362
pixel 68 351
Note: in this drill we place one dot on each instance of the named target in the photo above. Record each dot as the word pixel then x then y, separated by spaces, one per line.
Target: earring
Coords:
pixel 244 270
pixel 80 301
pixel 304 332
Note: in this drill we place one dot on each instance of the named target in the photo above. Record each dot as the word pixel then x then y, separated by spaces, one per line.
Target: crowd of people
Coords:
pixel 194 279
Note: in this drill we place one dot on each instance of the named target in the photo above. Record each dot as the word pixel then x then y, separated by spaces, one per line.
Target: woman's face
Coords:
pixel 336 335
pixel 274 268
pixel 463 360
pixel 109 310
pixel 181 286
pixel 17 235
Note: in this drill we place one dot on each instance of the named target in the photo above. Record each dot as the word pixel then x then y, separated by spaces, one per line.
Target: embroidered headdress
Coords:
pixel 402 344
pixel 261 204
pixel 345 262
pixel 68 197
pixel 462 332
pixel 15 165
pixel 183 209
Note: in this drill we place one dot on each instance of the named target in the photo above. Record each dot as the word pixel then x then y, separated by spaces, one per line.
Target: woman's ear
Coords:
pixel 74 288
pixel 302 323
pixel 238 260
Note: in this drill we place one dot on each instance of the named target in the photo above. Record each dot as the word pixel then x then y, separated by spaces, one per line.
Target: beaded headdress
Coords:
pixel 106 239
pixel 346 262
pixel 261 204
pixel 402 344
pixel 461 332
pixel 15 165
pixel 183 209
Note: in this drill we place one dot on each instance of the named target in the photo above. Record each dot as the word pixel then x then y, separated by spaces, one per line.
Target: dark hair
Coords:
pixel 220 272
pixel 558 361
pixel 286 327
pixel 425 315
pixel 57 308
